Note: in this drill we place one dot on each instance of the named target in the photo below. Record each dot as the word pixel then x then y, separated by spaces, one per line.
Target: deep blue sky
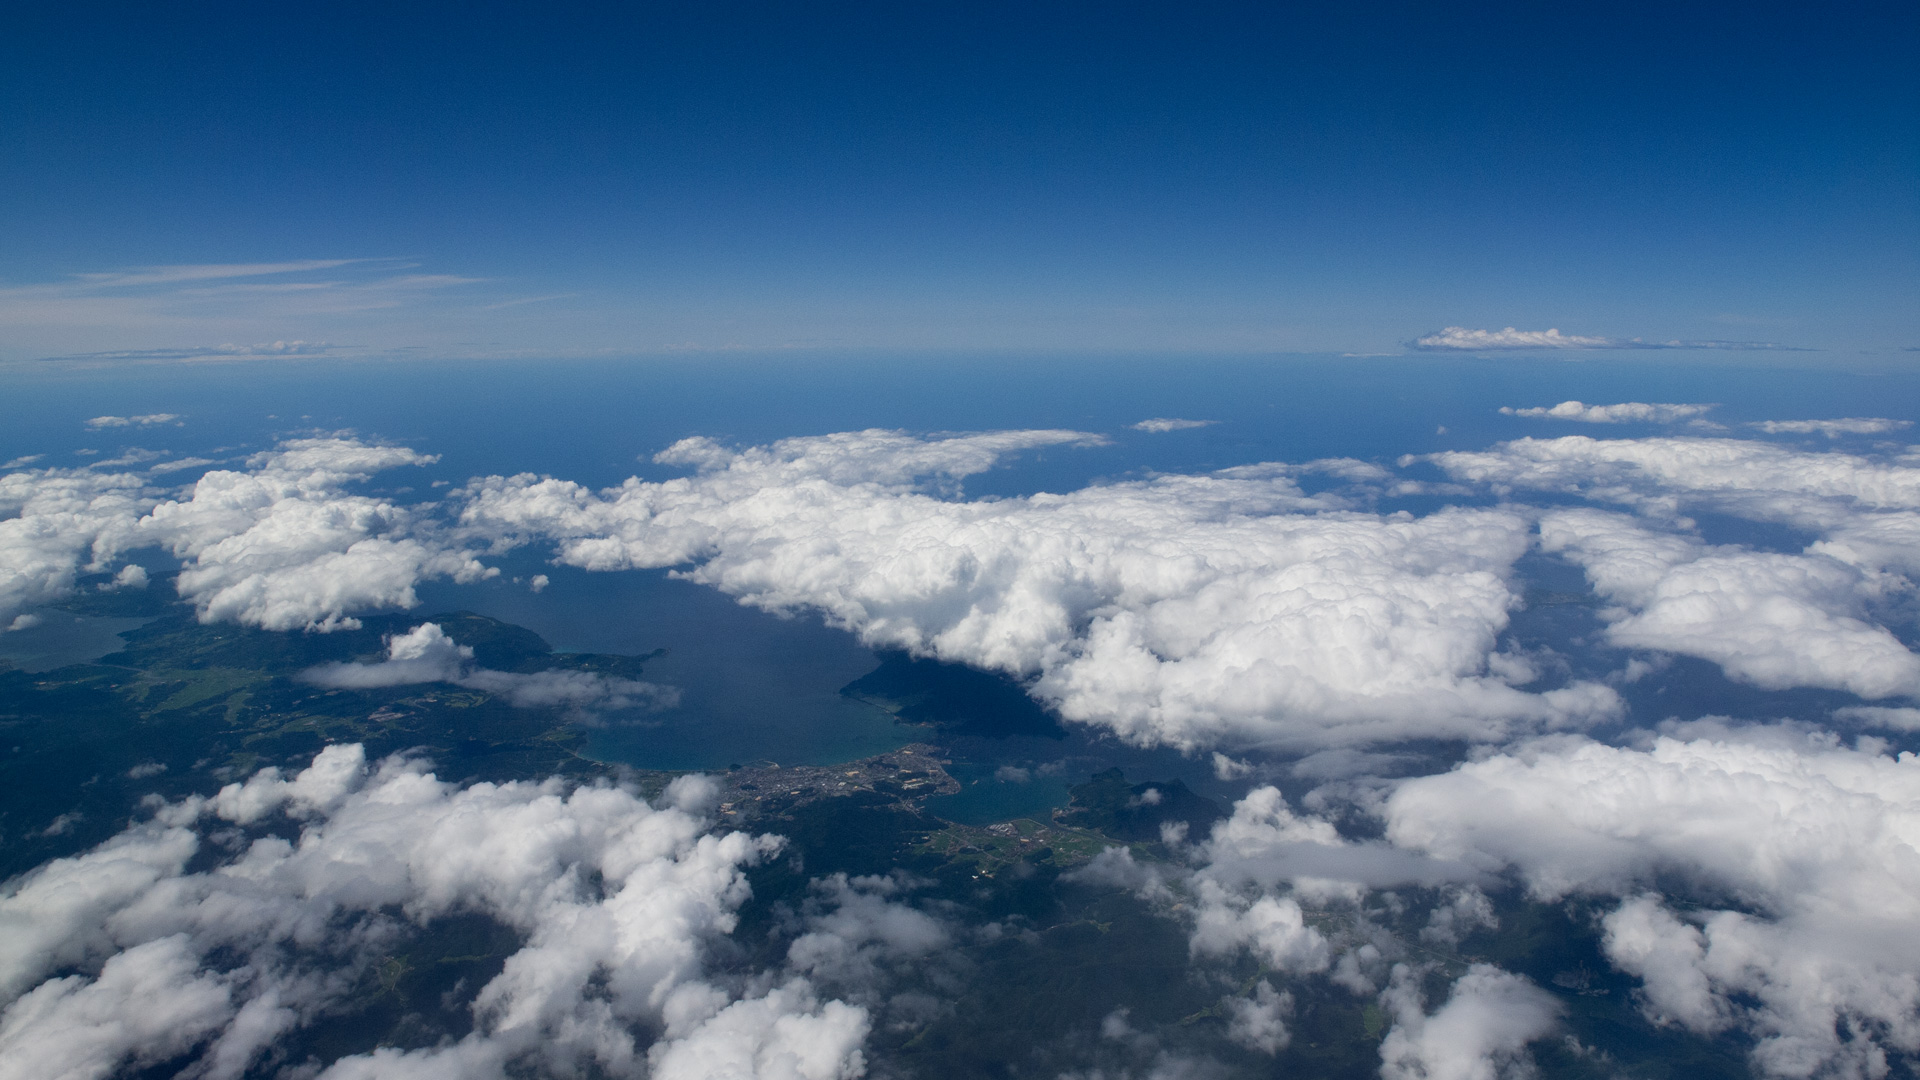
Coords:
pixel 534 179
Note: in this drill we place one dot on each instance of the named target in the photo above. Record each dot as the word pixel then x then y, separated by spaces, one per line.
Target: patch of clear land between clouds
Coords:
pixel 1126 606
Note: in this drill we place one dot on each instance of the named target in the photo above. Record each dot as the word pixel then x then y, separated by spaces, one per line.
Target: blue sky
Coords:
pixel 542 180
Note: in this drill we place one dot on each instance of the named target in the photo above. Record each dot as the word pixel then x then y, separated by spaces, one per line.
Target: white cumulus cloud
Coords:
pixel 615 903
pixel 1181 610
pixel 426 654
pixel 59 523
pixel 1774 620
pixel 281 544
pixel 1817 848
pixel 1481 1033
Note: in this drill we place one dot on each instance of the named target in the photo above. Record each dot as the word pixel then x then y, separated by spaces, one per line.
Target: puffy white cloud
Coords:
pixel 149 1003
pixel 282 545
pixel 856 930
pixel 1161 424
pixel 614 900
pixel 1762 480
pixel 1260 1022
pixel 1774 620
pixel 1253 875
pixel 1273 928
pixel 1265 843
pixel 1817 847
pixel 334 774
pixel 1629 412
pixel 422 654
pixel 787 1034
pixel 60 522
pixel 1833 429
pixel 1180 610
pixel 1481 1033
pixel 1465 910
pixel 426 654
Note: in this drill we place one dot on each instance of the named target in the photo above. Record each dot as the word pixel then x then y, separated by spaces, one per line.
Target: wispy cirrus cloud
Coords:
pixel 1833 429
pixel 148 420
pixel 1462 339
pixel 171 275
pixel 1161 424
pixel 171 313
pixel 228 351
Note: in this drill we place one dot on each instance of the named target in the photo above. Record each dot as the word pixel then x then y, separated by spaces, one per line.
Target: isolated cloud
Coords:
pixel 1163 424
pixel 426 654
pixel 1461 339
pixel 857 933
pixel 1259 1022
pixel 149 420
pixel 614 901
pixel 1629 412
pixel 1802 860
pixel 1481 1033
pixel 1181 610
pixel 1265 843
pixel 1833 429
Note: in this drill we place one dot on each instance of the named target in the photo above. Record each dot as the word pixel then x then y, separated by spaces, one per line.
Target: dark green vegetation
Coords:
pixel 186 707
pixel 1046 974
pixel 1138 811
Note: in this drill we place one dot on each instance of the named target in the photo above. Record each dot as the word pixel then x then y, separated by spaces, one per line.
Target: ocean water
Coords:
pixel 599 422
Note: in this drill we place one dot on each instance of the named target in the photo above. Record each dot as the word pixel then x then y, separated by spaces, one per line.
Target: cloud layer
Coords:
pixel 1182 610
pixel 615 903
pixel 1232 608
pixel 1813 849
pixel 1773 619
pixel 283 544
pixel 1833 429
